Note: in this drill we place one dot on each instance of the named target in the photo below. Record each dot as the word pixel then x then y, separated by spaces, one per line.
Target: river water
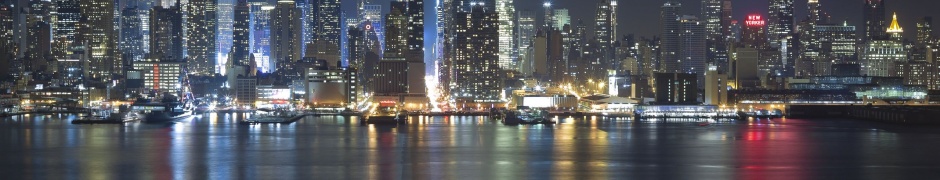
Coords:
pixel 213 146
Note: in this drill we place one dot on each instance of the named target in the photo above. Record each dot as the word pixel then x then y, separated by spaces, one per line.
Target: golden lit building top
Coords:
pixel 895 28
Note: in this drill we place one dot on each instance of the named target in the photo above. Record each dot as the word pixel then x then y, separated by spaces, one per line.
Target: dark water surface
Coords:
pixel 213 146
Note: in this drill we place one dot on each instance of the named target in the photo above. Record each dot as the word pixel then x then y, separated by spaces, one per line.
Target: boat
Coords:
pixel 524 115
pixel 282 117
pixel 387 116
pixel 203 109
pixel 169 109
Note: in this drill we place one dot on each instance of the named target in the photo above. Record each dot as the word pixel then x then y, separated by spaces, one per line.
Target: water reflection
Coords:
pixel 214 146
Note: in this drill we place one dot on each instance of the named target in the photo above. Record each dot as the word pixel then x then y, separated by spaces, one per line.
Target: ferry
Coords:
pixel 169 109
pixel 525 115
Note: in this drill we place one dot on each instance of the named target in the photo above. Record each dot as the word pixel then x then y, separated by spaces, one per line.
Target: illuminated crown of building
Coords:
pixel 895 28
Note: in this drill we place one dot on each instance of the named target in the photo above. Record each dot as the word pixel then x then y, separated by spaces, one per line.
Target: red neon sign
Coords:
pixel 754 20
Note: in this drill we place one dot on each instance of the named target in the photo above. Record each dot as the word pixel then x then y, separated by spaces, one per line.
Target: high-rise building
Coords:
pixel 226 14
pixel 560 18
pixel 396 31
pixel 874 17
pixel 328 28
pixel 604 30
pixel 525 32
pixel 39 48
pixel 6 40
pixel 68 13
pixel 261 34
pixel 754 33
pixel 692 46
pixel 131 44
pixel 713 17
pixel 810 55
pixel 924 31
pixel 669 45
pixel 505 9
pixel 286 34
pixel 241 34
pixel 476 67
pixel 415 37
pixel 880 56
pixel 166 33
pixel 839 40
pixel 98 34
pixel 373 15
pixel 779 21
pixel 201 39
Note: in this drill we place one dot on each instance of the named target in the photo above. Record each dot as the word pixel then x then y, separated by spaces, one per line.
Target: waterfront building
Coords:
pixel 332 87
pixel 676 88
pixel 477 73
pixel 161 75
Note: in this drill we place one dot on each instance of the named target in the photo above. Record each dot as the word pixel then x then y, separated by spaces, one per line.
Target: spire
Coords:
pixel 895 28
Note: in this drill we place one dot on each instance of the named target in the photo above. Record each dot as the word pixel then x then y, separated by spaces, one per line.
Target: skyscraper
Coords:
pixel 692 46
pixel 669 45
pixel 226 12
pixel 201 37
pixel 880 56
pixel 560 18
pixel 415 31
pixel 476 66
pixel 779 21
pixel 241 34
pixel 603 30
pixel 166 33
pixel 874 17
pixel 505 11
pixel 68 13
pixel 286 34
pixel 396 31
pixel 261 34
pixel 754 33
pixel 525 30
pixel 98 36
pixel 131 44
pixel 327 30
pixel 6 39
pixel 716 24
pixel 809 42
pixel 924 31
